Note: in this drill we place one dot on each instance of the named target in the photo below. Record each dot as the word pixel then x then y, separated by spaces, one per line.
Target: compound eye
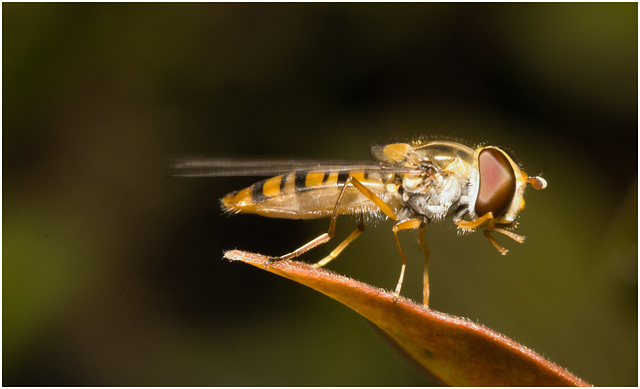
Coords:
pixel 497 182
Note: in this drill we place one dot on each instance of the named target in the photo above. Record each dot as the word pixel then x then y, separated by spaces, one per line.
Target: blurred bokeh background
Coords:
pixel 113 274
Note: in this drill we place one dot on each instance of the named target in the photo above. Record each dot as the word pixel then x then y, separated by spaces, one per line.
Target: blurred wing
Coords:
pixel 226 167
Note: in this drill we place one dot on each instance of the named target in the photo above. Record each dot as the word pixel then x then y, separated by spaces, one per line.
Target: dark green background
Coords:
pixel 112 274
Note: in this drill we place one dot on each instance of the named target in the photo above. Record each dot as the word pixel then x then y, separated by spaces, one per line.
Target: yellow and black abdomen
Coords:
pixel 306 195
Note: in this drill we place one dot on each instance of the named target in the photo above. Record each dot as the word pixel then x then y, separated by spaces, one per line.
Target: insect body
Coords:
pixel 412 184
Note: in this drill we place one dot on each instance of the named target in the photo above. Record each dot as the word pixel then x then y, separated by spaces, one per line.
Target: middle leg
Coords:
pixel 404 225
pixel 425 249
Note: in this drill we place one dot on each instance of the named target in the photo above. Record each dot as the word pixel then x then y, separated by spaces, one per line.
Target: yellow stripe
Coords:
pixel 244 197
pixel 239 200
pixel 333 178
pixel 271 187
pixel 358 175
pixel 314 179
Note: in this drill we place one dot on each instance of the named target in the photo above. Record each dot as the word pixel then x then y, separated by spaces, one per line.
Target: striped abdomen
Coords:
pixel 307 195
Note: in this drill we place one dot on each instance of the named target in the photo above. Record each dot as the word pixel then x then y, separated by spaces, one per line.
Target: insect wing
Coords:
pixel 228 167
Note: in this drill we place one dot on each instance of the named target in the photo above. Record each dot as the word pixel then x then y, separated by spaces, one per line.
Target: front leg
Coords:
pixel 487 220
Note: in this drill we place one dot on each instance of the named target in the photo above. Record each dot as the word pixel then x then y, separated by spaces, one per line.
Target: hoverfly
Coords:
pixel 411 184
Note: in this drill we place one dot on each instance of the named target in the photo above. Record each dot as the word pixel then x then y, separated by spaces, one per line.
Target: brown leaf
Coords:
pixel 452 350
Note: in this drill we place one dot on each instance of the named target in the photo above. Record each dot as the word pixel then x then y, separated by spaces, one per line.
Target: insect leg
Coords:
pixel 488 220
pixel 334 218
pixel 473 224
pixel 324 238
pixel 342 245
pixel 425 248
pixel 404 225
pixel 371 196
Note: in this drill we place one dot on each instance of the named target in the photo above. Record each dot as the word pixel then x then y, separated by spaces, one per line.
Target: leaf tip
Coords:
pixel 254 259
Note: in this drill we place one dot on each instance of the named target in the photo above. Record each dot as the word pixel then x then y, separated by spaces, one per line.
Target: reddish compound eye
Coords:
pixel 497 183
